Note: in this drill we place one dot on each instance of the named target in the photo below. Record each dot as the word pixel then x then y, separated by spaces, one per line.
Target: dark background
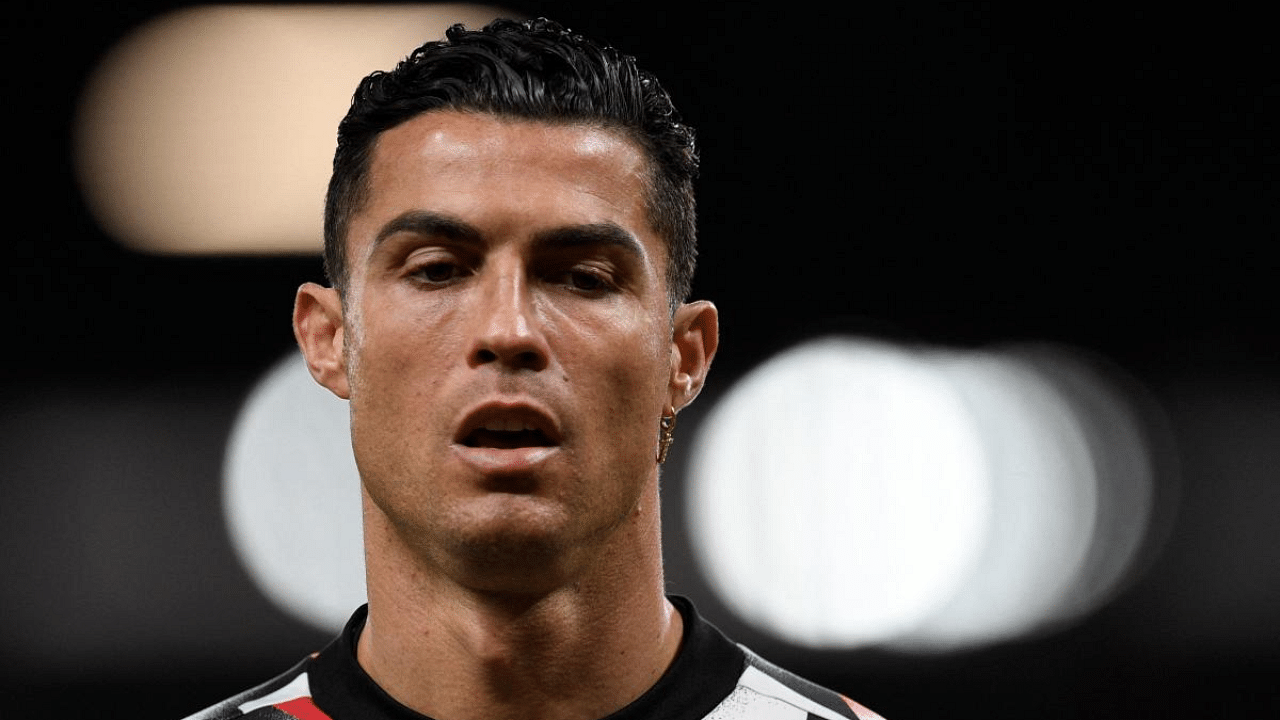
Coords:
pixel 955 176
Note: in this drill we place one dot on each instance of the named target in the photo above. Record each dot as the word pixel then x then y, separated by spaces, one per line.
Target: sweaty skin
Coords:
pixel 507 348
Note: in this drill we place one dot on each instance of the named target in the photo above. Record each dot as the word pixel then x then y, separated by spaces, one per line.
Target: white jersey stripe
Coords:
pixel 760 682
pixel 747 704
pixel 299 687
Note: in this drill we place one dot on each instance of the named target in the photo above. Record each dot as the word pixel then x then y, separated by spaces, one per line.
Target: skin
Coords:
pixel 504 274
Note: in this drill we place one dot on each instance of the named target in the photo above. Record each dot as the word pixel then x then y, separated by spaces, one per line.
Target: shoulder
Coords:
pixel 766 690
pixel 284 697
pixel 723 680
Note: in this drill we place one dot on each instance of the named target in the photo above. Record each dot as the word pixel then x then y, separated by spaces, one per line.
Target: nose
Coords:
pixel 508 331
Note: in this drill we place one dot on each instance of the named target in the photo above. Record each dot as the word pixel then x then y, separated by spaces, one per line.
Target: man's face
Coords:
pixel 508 342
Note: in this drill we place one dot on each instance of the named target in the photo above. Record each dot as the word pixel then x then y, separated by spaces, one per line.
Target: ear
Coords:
pixel 318 326
pixel 695 335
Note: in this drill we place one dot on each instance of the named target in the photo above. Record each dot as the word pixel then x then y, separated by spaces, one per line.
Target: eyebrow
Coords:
pixel 591 234
pixel 425 222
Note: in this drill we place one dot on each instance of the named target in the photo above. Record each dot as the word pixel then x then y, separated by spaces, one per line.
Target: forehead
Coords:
pixel 506 175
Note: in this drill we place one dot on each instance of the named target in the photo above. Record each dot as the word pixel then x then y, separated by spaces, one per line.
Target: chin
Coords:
pixel 515 561
pixel 524 545
pixel 512 528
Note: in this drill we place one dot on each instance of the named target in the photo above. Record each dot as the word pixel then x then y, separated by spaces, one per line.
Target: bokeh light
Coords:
pixel 211 129
pixel 291 493
pixel 851 493
pixel 839 494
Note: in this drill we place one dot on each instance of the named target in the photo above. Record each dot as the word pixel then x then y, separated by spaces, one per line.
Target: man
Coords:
pixel 509 234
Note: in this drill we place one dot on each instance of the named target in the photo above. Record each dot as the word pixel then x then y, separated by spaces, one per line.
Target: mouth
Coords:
pixel 504 427
pixel 506 439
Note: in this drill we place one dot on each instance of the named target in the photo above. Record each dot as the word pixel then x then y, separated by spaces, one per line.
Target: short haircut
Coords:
pixel 528 70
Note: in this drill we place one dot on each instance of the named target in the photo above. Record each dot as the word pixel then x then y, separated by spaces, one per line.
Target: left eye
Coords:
pixel 583 280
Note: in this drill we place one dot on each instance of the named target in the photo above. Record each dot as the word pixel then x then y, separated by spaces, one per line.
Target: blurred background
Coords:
pixel 997 394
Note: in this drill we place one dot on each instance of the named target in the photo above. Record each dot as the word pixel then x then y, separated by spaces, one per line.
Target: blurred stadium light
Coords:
pixel 851 493
pixel 210 130
pixel 838 494
pixel 291 494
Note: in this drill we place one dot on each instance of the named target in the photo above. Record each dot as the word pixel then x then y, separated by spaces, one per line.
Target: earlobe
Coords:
pixel 318 325
pixel 694 338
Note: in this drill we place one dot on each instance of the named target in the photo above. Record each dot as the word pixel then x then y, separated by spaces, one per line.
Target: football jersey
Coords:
pixel 711 678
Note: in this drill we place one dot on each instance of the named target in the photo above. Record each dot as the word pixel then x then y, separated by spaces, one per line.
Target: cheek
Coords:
pixel 637 378
pixel 401 338
pixel 394 373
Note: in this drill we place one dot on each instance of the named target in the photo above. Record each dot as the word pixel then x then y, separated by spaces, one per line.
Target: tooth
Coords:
pixel 503 424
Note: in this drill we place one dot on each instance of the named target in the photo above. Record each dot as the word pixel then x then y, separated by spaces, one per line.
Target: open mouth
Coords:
pixel 506 428
pixel 506 439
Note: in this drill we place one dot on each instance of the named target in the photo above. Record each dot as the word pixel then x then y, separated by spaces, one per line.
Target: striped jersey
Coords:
pixel 711 678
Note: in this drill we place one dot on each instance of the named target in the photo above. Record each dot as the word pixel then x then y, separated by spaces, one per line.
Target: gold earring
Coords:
pixel 666 433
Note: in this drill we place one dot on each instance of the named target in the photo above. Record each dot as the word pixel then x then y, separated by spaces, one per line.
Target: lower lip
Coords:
pixel 499 461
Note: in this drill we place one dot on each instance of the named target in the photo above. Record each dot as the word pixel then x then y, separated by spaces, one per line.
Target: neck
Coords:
pixel 577 648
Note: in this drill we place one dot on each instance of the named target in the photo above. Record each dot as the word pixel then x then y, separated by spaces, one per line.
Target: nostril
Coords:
pixel 508 353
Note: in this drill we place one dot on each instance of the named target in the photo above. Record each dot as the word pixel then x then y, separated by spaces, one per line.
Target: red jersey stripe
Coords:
pixel 303 709
pixel 861 711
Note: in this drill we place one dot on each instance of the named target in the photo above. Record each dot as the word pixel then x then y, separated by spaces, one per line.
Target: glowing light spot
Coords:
pixel 838 494
pixel 211 129
pixel 1045 494
pixel 850 493
pixel 291 494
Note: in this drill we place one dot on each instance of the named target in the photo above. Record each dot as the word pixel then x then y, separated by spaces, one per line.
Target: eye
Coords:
pixel 589 282
pixel 581 280
pixel 439 272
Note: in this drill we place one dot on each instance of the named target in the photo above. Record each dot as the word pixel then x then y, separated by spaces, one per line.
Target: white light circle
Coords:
pixel 838 493
pixel 291 494
pixel 1045 504
pixel 1106 404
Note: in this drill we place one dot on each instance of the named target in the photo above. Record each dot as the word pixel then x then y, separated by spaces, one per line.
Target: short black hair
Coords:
pixel 529 70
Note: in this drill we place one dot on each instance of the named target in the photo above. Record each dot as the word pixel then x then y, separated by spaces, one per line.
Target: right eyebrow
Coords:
pixel 427 223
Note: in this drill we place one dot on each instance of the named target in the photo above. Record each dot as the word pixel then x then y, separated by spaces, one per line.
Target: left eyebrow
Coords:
pixel 604 233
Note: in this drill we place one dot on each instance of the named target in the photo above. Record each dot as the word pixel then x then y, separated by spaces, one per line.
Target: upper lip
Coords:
pixel 508 416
